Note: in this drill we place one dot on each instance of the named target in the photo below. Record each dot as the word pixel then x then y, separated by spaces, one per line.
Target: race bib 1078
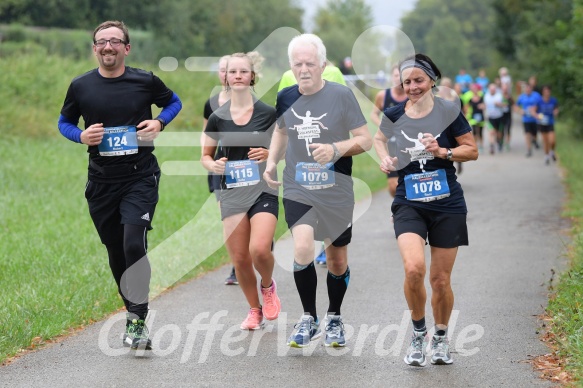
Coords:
pixel 427 186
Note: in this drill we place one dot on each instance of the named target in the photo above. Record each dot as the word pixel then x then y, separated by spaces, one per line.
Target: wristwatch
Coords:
pixel 336 153
pixel 162 122
pixel 449 154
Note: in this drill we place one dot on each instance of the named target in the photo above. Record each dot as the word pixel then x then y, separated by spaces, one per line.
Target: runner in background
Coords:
pixel 464 79
pixel 494 102
pixel 386 99
pixel 533 82
pixel 474 110
pixel 508 101
pixel 547 110
pixel 482 79
pixel 526 106
pixel 505 78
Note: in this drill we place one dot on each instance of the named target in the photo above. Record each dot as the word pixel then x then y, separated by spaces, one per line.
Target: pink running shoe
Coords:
pixel 271 303
pixel 254 320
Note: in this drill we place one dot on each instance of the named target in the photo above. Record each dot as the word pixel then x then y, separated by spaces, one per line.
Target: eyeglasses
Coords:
pixel 114 42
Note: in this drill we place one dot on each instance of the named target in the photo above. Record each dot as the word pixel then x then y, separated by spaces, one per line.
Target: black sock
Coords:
pixel 440 332
pixel 306 282
pixel 419 325
pixel 337 286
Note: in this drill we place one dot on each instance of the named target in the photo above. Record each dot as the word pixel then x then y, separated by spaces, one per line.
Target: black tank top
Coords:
pixel 389 100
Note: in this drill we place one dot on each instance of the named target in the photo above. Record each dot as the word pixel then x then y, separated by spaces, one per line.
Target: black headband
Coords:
pixel 423 65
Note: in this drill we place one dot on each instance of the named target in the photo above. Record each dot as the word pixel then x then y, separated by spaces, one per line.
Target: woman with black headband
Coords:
pixel 429 205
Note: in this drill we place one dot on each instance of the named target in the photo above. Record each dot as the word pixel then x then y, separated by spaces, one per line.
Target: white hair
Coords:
pixel 305 39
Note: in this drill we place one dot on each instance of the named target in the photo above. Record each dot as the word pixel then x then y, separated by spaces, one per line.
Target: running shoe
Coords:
pixel 440 351
pixel 334 331
pixel 125 334
pixel 254 320
pixel 271 302
pixel 137 335
pixel 416 352
pixel 306 330
pixel 321 258
pixel 232 279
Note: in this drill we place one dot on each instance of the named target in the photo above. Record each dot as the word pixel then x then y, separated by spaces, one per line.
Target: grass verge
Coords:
pixel 565 308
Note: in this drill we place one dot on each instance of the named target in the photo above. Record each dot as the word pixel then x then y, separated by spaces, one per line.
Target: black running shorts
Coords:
pixel 330 222
pixel 265 203
pixel 111 205
pixel 441 230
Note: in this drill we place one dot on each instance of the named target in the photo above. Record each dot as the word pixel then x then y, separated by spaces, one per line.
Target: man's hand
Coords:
pixel 148 130
pixel 322 153
pixel 268 175
pixel 93 135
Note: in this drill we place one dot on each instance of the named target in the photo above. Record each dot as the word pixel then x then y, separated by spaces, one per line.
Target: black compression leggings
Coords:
pixel 133 285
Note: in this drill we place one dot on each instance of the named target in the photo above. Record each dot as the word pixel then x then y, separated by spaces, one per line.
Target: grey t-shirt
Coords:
pixel 327 116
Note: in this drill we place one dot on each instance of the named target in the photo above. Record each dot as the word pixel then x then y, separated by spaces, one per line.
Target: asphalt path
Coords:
pixel 517 240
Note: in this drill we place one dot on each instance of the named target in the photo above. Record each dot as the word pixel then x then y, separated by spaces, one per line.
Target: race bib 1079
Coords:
pixel 314 176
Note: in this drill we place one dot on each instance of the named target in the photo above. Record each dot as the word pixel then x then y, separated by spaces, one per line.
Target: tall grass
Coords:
pixel 566 306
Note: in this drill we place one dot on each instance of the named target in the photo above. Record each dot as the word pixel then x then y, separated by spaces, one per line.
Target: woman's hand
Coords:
pixel 258 154
pixel 219 166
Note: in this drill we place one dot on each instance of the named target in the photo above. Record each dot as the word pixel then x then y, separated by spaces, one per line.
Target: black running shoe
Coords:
pixel 232 279
pixel 137 335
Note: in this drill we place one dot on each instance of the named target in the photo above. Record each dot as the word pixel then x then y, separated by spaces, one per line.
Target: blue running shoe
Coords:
pixel 321 258
pixel 334 330
pixel 306 330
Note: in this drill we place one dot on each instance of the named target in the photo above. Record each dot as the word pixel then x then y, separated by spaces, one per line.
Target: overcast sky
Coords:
pixel 387 12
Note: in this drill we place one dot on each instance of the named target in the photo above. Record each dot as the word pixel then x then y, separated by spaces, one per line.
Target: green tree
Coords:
pixel 447 46
pixel 211 28
pixel 544 39
pixel 339 23
pixel 78 13
pixel 458 22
